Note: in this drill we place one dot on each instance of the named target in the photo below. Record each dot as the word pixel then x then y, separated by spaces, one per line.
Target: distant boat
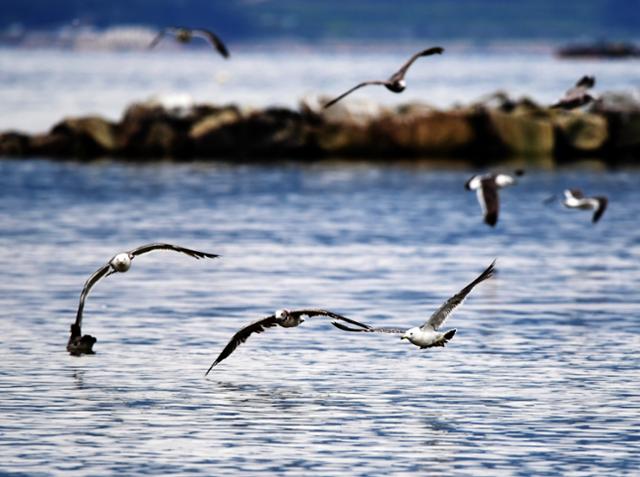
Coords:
pixel 602 49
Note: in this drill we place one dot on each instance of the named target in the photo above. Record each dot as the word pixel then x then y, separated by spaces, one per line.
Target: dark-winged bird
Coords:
pixel 575 199
pixel 578 95
pixel 396 82
pixel 185 35
pixel 284 318
pixel 427 335
pixel 121 262
pixel 486 187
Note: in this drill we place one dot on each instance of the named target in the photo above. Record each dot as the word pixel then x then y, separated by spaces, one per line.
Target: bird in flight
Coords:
pixel 120 263
pixel 396 82
pixel 185 35
pixel 486 187
pixel 578 95
pixel 427 335
pixel 575 199
pixel 284 318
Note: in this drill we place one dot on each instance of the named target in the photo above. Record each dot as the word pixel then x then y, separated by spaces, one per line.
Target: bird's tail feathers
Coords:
pixel 448 335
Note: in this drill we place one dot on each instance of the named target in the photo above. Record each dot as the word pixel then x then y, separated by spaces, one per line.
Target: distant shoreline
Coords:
pixel 498 128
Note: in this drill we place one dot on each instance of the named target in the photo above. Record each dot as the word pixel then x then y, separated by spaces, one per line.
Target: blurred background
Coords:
pixel 57 55
pixel 479 22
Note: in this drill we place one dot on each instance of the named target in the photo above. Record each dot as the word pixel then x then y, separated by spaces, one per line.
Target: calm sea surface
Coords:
pixel 541 379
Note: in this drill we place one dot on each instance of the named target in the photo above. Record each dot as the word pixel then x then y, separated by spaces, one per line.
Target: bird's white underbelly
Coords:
pixel 574 203
pixel 425 338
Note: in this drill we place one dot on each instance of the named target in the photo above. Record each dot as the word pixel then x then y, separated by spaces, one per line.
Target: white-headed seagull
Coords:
pixel 486 187
pixel 575 199
pixel 120 263
pixel 428 335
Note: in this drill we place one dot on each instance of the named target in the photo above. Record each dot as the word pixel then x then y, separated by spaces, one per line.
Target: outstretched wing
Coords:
pixel 577 95
pixel 365 83
pixel 335 316
pixel 212 38
pixel 441 314
pixel 242 335
pixel 157 38
pixel 167 246
pixel 489 201
pixel 602 206
pixel 586 82
pixel 403 70
pixel 368 329
pixel 92 280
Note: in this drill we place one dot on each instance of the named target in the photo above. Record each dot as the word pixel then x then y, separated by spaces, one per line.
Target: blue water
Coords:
pixel 541 379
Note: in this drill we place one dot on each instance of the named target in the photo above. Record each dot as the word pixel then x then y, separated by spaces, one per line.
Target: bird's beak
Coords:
pixel 403 338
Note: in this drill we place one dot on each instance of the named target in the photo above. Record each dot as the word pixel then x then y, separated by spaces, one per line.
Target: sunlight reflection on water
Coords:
pixel 541 377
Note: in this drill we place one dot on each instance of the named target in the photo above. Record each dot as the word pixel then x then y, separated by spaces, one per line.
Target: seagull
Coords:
pixel 120 263
pixel 486 187
pixel 575 199
pixel 185 35
pixel 578 95
pixel 284 318
pixel 427 335
pixel 396 81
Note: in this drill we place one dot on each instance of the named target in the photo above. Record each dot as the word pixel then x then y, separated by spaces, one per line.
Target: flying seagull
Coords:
pixel 575 199
pixel 578 95
pixel 427 335
pixel 396 81
pixel 486 187
pixel 121 262
pixel 284 318
pixel 185 35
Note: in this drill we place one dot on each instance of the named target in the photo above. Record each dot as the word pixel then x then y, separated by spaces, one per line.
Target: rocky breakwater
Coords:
pixel 496 127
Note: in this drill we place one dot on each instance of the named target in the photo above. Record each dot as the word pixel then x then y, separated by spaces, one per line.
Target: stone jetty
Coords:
pixel 497 127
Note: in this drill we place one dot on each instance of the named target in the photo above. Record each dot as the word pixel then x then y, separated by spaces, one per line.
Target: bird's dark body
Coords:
pixel 78 344
pixel 396 87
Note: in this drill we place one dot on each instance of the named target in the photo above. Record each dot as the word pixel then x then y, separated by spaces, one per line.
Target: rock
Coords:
pixel 265 133
pixel 423 132
pixel 625 132
pixel 346 137
pixel 149 130
pixel 580 132
pixel 520 133
pixel 14 144
pixel 56 145
pixel 216 133
pixel 280 131
pixel 89 136
pixel 617 102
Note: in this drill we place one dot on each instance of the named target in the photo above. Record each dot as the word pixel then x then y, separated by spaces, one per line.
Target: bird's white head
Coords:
pixel 411 334
pixel 121 262
pixel 282 314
